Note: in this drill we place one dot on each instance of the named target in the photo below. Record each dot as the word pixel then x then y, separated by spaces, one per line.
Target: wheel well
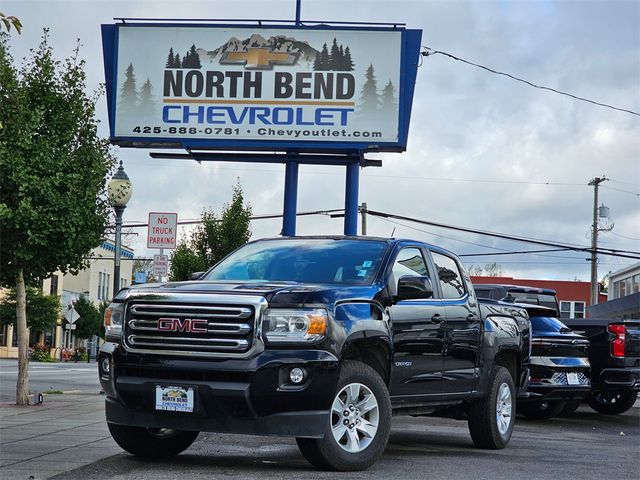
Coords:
pixel 372 352
pixel 510 361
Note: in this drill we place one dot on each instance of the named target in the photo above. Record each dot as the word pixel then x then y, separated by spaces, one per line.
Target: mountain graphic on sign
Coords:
pixel 276 43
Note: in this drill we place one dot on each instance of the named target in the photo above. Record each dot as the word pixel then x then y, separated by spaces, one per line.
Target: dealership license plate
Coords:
pixel 572 378
pixel 174 399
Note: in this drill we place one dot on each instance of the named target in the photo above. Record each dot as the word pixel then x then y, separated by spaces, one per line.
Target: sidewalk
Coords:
pixel 66 432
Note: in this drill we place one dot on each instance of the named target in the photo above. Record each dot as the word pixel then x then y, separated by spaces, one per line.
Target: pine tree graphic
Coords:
pixel 191 59
pixel 177 63
pixel 388 99
pixel 321 63
pixel 369 100
pixel 128 92
pixel 147 105
pixel 171 61
pixel 339 60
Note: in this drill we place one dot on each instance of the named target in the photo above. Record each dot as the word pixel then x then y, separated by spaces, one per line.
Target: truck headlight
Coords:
pixel 113 318
pixel 281 325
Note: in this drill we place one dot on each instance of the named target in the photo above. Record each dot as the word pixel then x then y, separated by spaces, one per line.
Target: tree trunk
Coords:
pixel 22 385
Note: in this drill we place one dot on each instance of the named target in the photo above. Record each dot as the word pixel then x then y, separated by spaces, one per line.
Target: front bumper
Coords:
pixel 250 395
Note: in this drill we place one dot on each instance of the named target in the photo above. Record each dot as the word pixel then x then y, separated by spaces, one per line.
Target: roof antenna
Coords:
pixel 393 231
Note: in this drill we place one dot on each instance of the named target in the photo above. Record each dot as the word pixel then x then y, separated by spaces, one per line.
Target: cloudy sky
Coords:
pixel 484 151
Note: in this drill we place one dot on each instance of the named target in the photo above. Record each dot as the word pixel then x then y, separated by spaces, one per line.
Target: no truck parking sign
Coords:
pixel 162 230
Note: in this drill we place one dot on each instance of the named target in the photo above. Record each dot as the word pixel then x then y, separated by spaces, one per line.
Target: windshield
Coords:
pixel 304 261
pixel 541 299
pixel 548 324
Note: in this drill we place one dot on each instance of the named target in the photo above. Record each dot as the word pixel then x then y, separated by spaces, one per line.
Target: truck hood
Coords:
pixel 276 293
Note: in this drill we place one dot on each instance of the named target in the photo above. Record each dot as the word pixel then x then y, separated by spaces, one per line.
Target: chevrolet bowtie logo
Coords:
pixel 258 58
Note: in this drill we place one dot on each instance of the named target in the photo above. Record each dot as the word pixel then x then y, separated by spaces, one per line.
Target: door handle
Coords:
pixel 472 317
pixel 437 318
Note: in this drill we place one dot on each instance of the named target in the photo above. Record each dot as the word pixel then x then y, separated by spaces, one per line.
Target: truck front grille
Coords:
pixel 179 328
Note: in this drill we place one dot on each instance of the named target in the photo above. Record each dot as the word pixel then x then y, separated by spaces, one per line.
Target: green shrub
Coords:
pixel 41 354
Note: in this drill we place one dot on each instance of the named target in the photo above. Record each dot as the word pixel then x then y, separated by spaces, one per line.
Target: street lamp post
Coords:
pixel 120 190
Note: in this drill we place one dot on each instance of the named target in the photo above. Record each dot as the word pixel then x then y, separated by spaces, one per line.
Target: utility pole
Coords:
pixel 594 240
pixel 363 213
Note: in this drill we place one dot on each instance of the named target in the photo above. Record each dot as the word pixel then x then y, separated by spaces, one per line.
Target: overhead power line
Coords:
pixel 431 51
pixel 546 243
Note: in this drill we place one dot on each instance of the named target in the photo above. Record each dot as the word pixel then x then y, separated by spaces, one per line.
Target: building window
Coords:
pixel 572 309
pixel 106 286
pixel 53 288
pixel 100 285
pixel 3 335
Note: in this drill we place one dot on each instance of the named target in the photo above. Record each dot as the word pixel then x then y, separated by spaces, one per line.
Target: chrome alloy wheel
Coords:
pixel 503 408
pixel 354 417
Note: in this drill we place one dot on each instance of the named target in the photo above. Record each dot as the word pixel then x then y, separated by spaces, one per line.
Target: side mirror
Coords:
pixel 196 275
pixel 410 288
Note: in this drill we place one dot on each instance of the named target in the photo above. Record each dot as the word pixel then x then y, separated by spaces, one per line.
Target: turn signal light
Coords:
pixel 317 325
pixel 617 345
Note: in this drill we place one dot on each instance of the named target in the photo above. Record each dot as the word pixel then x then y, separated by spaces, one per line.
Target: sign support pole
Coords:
pixel 351 199
pixel 290 199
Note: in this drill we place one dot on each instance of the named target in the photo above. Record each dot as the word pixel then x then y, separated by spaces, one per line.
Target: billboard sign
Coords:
pixel 162 232
pixel 229 87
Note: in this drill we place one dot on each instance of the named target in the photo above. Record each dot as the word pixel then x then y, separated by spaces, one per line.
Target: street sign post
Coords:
pixel 162 231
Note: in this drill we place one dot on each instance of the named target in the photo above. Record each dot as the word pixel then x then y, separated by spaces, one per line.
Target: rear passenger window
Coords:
pixel 449 276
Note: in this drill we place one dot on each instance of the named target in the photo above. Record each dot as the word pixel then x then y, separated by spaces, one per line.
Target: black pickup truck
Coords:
pixel 319 338
pixel 614 354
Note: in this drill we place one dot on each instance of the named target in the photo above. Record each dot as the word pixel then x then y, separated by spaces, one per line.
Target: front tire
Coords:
pixel 543 410
pixel 491 418
pixel 151 442
pixel 359 423
pixel 612 403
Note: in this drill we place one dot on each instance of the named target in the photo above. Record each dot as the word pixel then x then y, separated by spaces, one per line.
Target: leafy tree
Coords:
pixel 53 204
pixel 8 20
pixel 42 310
pixel 89 322
pixel 214 238
pixel 128 91
pixel 185 261
pixel 369 100
pixel 145 266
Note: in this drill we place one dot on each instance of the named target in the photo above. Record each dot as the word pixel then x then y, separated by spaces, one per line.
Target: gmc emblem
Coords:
pixel 194 325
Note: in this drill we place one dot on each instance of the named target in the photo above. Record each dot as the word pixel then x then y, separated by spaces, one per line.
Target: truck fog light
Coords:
pixel 105 366
pixel 297 375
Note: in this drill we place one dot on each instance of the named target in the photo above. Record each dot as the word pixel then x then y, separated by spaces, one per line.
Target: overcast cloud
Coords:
pixel 480 148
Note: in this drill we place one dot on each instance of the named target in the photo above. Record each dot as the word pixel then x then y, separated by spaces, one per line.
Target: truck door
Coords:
pixel 417 333
pixel 461 327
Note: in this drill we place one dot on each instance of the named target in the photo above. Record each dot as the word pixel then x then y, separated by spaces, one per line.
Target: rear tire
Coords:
pixel 359 423
pixel 491 418
pixel 612 403
pixel 542 410
pixel 151 442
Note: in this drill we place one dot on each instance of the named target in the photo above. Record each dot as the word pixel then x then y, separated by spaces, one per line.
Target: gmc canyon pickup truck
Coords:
pixel 319 338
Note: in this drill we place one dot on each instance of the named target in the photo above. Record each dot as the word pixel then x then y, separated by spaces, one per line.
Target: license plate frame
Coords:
pixel 172 398
pixel 573 378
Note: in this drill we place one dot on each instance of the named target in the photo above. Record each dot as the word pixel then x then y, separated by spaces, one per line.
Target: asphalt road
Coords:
pixel 81 377
pixel 584 446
